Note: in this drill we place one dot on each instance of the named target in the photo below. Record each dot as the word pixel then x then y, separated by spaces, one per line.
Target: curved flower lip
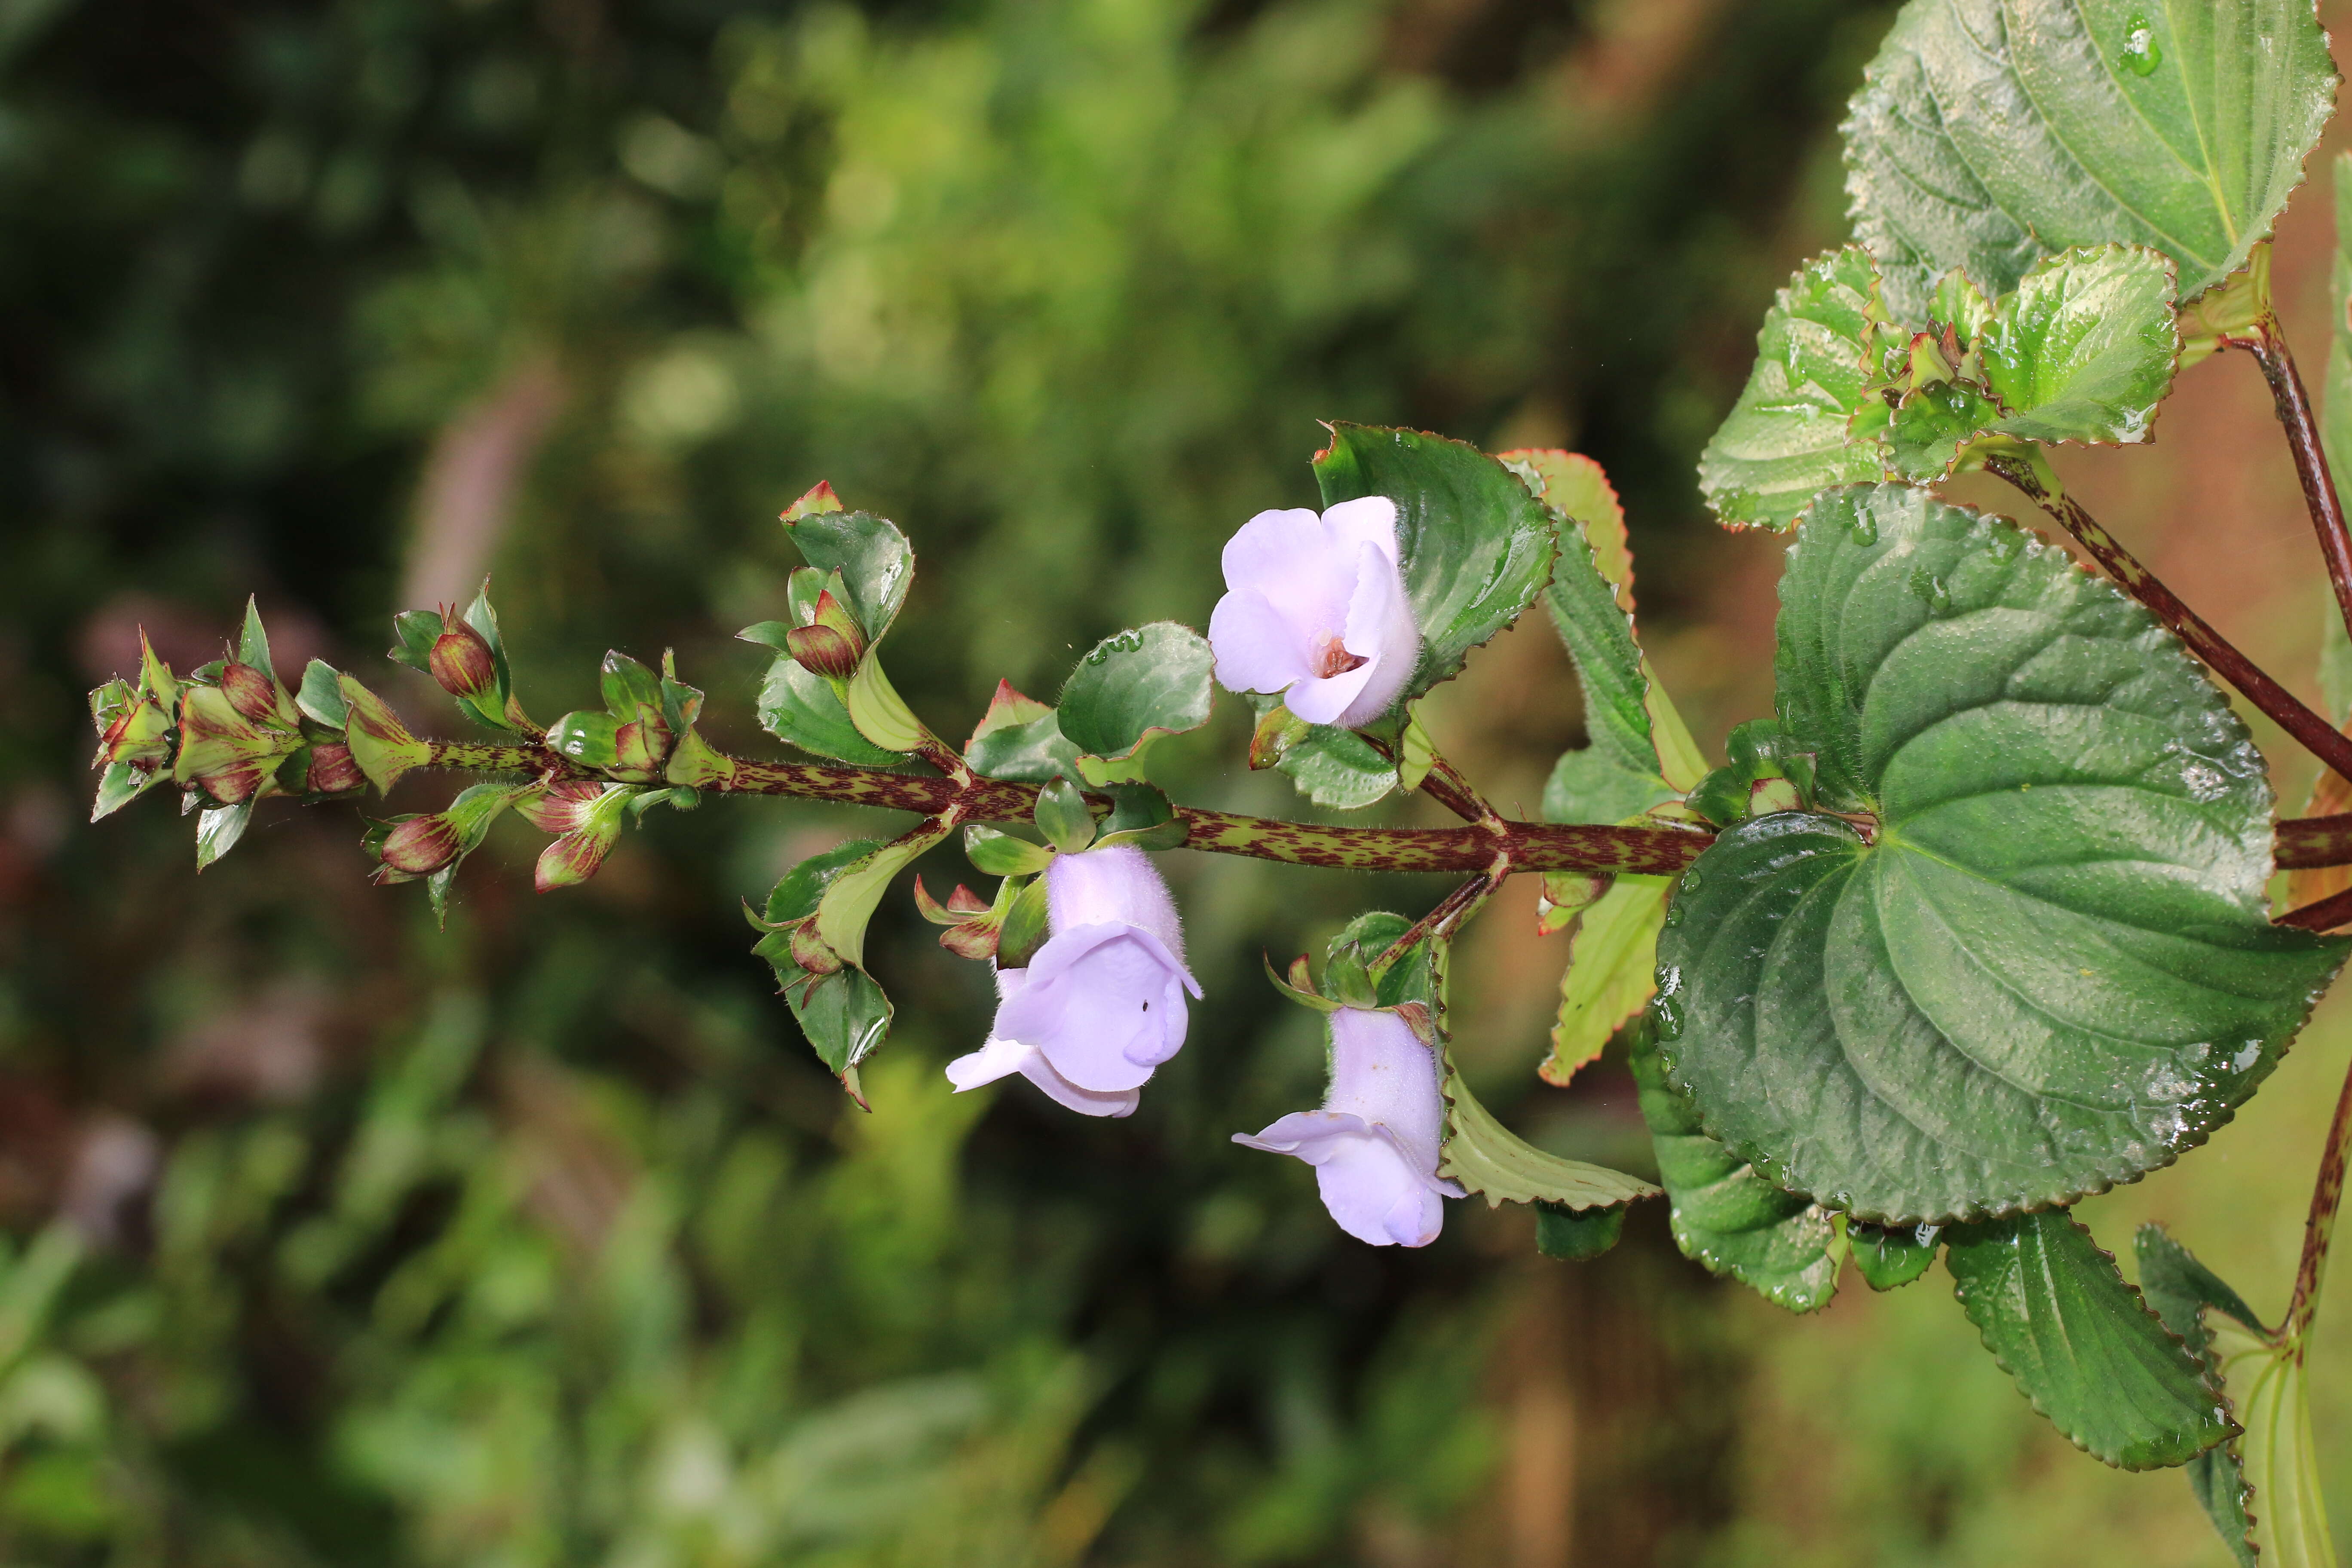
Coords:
pixel 1000 1058
pixel 1081 1022
pixel 1316 610
pixel 1371 1182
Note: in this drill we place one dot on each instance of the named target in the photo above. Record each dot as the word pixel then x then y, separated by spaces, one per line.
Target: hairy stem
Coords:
pixel 1517 845
pixel 2268 345
pixel 2302 843
pixel 2319 1224
pixel 2317 735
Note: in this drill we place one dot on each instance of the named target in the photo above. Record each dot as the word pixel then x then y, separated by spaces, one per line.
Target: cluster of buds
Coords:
pixel 228 735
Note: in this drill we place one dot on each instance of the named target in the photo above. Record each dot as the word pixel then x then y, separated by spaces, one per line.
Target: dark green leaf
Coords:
pixel 121 784
pixel 1599 633
pixel 1725 1215
pixel 797 894
pixel 586 737
pixel 876 563
pixel 2082 1347
pixel 1486 1157
pixel 1787 436
pixel 1890 1256
pixel 321 697
pixel 1030 753
pixel 1330 766
pixel 1989 133
pixel 1476 547
pixel 218 828
pixel 253 641
pixel 2053 968
pixel 1153 680
pixel 418 630
pixel 802 710
pixel 1572 1236
pixel 844 1016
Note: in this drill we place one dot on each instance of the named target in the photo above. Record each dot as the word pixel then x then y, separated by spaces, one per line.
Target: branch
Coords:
pixel 2317 736
pixel 2301 426
pixel 1519 845
pixel 2303 842
pixel 2319 1223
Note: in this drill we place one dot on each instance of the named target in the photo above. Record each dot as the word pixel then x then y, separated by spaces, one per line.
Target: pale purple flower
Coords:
pixel 1374 1144
pixel 1102 1003
pixel 1315 608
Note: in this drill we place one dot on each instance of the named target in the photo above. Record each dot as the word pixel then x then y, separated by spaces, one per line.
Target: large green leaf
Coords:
pixel 2084 349
pixel 1989 133
pixel 1135 686
pixel 1785 1247
pixel 1787 437
pixel 2032 958
pixel 2080 1343
pixel 2178 1290
pixel 1476 547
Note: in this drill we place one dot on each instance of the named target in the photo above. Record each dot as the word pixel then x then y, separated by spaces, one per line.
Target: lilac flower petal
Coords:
pixel 995 1059
pixel 1105 1005
pixel 1367 520
pixel 1259 648
pixel 1288 557
pixel 1000 1059
pixel 1380 629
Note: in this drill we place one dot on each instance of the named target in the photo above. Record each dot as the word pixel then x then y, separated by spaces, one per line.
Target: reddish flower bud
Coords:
pixel 810 951
pixel 563 806
pixel 574 858
pixel 824 651
pixel 250 692
pixel 421 846
pixel 332 770
pixel 462 661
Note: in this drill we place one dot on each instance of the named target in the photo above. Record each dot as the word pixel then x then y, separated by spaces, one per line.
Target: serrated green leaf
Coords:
pixel 1787 439
pixel 1588 784
pixel 2084 349
pixel 1486 1157
pixel 1135 686
pixel 2052 968
pixel 1612 970
pixel 1783 1247
pixel 1476 547
pixel 1989 133
pixel 1926 431
pixel 802 710
pixel 845 1017
pixel 2080 1344
pixel 1609 665
pixel 876 563
pixel 2178 1289
pixel 1889 1259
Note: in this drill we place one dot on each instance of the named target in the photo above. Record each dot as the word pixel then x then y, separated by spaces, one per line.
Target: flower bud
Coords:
pixel 831 644
pixel 250 692
pixel 136 730
pixel 421 846
pixel 1374 1144
pixel 461 661
pixel 563 807
pixel 332 770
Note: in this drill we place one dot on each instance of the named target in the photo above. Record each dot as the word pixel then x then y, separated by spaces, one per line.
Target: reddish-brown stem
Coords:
pixel 2317 735
pixel 2321 914
pixel 2302 843
pixel 2320 1222
pixel 2268 345
pixel 1519 845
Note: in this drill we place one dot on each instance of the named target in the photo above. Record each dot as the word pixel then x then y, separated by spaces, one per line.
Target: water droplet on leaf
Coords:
pixel 1864 528
pixel 1668 1013
pixel 2142 53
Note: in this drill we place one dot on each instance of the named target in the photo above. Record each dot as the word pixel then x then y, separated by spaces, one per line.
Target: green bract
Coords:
pixel 1132 688
pixel 1475 546
pixel 2081 1346
pixel 1785 1247
pixel 1989 133
pixel 2032 958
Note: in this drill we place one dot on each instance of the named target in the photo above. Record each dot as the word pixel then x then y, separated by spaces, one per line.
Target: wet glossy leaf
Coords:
pixel 2082 1347
pixel 1785 1247
pixel 1330 766
pixel 1887 1258
pixel 803 710
pixel 1989 133
pixel 2049 967
pixel 2083 349
pixel 873 557
pixel 1135 686
pixel 1476 547
pixel 1787 436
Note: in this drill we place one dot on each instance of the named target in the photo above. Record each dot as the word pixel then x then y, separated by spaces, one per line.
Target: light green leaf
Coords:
pixel 1787 436
pixel 1588 784
pixel 2083 349
pixel 999 854
pixel 2048 967
pixel 879 713
pixel 801 708
pixel 1486 1157
pixel 321 697
pixel 253 641
pixel 1135 686
pixel 1612 970
pixel 2082 1347
pixel 1989 133
pixel 2288 1505
pixel 855 892
pixel 1476 547
pixel 1783 1247
pixel 121 784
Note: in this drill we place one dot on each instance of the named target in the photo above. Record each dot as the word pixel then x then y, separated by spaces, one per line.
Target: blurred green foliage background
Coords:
pixel 332 1238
